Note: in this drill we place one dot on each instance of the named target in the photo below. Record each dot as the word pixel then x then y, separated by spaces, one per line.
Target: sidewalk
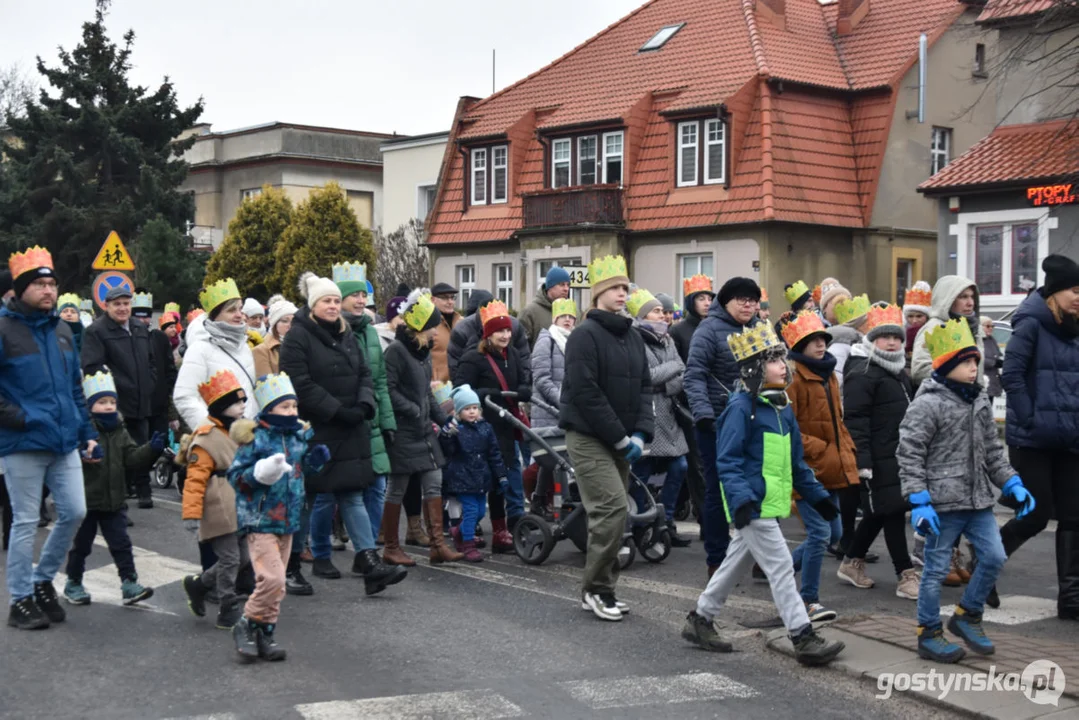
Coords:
pixel 886 645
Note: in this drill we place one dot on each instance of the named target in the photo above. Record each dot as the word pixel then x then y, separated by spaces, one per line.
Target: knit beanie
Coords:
pixel 831 292
pixel 556 276
pixel 948 364
pixel 464 396
pixel 223 403
pixel 393 307
pixel 313 288
pixel 1061 273
pixel 499 322
pixel 738 287
pixel 253 307
pixel 280 308
pixel 666 301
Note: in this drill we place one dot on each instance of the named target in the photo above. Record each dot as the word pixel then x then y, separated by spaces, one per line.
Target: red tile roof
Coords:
pixel 810 153
pixel 1013 154
pixel 1008 9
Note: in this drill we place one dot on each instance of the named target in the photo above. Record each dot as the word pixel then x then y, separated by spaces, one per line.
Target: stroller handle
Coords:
pixel 509 417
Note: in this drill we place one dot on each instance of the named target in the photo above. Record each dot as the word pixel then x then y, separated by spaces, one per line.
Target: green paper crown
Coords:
pixel 637 300
pixel 795 291
pixel 563 306
pixel 606 268
pixel 848 310
pixel 946 340
pixel 68 299
pixel 172 308
pixel 420 311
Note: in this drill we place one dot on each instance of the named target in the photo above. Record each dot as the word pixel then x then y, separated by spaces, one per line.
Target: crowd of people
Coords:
pixel 303 428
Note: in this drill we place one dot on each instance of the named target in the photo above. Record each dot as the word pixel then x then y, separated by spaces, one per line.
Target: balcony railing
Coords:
pixel 585 205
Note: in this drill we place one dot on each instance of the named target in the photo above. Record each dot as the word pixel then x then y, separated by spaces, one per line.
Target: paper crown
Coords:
pixel 918 296
pixel 637 300
pixel 818 291
pixel 881 315
pixel 945 341
pixel 606 268
pixel 847 310
pixel 805 324
pixel 753 341
pixel 98 383
pixel 194 314
pixel 350 272
pixel 696 284
pixel 86 304
pixel 493 309
pixel 220 292
pixel 143 301
pixel 32 259
pixel 563 306
pixel 795 291
pixel 419 310
pixel 68 299
pixel 273 387
pixel 172 308
pixel 219 386
pixel 764 296
pixel 442 393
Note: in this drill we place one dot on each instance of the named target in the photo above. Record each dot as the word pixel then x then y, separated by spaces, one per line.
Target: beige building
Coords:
pixel 410 177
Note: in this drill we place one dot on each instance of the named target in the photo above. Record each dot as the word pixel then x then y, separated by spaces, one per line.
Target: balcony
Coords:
pixel 583 205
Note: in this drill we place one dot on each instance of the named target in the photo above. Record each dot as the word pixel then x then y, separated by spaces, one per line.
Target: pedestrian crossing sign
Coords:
pixel 113 255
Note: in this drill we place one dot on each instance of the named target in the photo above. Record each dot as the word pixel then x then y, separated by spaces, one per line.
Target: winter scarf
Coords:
pixel 225 336
pixel 284 422
pixel 967 392
pixel 108 421
pixel 659 328
pixel 560 335
pixel 824 367
pixel 174 341
pixel 912 334
pixel 893 362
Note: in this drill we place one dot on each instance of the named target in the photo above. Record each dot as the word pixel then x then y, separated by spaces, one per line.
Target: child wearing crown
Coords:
pixel 106 488
pixel 267 474
pixel 759 460
pixel 949 456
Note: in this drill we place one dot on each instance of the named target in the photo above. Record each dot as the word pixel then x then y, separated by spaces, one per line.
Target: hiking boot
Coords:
pixel 818 613
pixel 852 570
pixel 75 593
pixel 416 536
pixel 45 597
pixel 295 582
pixel 26 615
pixel 812 649
pixel 702 633
pixel 324 568
pixel 245 636
pixel 377 576
pixel 267 646
pixel 501 540
pixel 132 592
pixel 959 567
pixel 907 588
pixel 917 555
pixel 677 540
pixel 602 606
pixel 229 615
pixel 196 594
pixel 968 626
pixel 932 645
pixel 470 552
pixel 146 503
pixel 993 600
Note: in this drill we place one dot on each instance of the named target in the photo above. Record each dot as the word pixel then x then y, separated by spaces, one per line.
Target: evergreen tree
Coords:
pixel 165 266
pixel 248 252
pixel 95 154
pixel 324 230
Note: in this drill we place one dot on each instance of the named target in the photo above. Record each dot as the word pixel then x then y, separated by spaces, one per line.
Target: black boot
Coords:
pixel 245 636
pixel 268 648
pixel 196 594
pixel 1068 574
pixel 376 575
pixel 676 539
pixel 295 582
pixel 45 597
pixel 229 615
pixel 26 615
pixel 324 568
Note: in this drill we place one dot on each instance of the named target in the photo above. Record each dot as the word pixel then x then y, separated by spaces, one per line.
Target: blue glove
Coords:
pixel 923 517
pixel 157 442
pixel 633 452
pixel 318 455
pixel 1015 490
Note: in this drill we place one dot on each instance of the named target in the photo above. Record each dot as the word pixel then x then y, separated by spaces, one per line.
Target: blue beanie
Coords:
pixel 556 276
pixel 463 396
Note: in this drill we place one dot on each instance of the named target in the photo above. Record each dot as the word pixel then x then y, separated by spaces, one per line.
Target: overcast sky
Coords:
pixel 380 65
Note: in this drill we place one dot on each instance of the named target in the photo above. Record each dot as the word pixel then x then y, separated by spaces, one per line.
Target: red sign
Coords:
pixel 108 280
pixel 1051 195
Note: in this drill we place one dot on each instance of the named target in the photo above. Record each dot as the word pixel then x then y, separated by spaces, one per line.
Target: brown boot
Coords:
pixel 391 523
pixel 440 551
pixel 958 574
pixel 416 535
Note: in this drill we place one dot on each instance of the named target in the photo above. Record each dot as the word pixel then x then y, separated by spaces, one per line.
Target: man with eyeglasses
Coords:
pixel 711 374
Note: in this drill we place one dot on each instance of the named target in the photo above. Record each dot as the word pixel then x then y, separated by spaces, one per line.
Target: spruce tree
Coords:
pixel 248 253
pixel 156 250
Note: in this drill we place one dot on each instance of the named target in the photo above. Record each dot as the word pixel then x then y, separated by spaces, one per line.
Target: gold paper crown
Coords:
pixel 420 310
pixel 801 327
pixel 86 304
pixel 945 341
pixel 272 387
pixel 143 301
pixel 220 292
pixel 68 299
pixel 606 268
pixel 696 284
pixel 442 393
pixel 172 308
pixel 753 341
pixel 637 300
pixel 563 306
pixel 219 386
pixel 350 272
pixel 795 291
pixel 32 259
pixel 880 315
pixel 917 296
pixel 847 310
pixel 100 382
pixel 493 309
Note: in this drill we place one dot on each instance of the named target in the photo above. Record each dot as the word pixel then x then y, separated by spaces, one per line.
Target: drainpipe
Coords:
pixel 767 177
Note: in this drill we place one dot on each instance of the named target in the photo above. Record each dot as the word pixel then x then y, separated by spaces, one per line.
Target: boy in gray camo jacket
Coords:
pixel 949 454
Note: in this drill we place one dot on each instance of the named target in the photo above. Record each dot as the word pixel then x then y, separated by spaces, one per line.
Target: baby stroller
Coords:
pixel 165 470
pixel 534 537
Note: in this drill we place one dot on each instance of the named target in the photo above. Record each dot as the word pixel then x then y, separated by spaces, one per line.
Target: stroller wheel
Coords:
pixel 532 539
pixel 162 474
pixel 658 546
pixel 626 554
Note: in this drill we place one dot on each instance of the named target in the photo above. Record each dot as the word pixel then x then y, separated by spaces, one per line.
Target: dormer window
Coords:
pixel 587 159
pixel 701 153
pixel 489 175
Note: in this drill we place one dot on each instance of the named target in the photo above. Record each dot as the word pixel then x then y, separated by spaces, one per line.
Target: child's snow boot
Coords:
pixel 267 647
pixel 932 645
pixel 244 635
pixel 968 626
pixel 470 552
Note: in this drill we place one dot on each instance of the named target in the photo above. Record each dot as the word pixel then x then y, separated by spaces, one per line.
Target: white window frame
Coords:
pixel 937 154
pixel 963 231
pixel 568 161
pixel 595 159
pixel 504 288
pixel 505 169
pixel 699 257
pixel 422 206
pixel 722 142
pixel 682 145
pixel 465 287
pixel 250 193
pixel 478 154
pixel 620 155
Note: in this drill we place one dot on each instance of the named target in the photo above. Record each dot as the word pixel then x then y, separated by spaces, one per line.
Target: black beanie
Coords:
pixel 25 279
pixel 223 403
pixel 1061 273
pixel 403 290
pixel 738 287
pixel 956 360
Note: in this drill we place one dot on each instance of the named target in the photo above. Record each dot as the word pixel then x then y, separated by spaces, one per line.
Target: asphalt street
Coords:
pixel 494 640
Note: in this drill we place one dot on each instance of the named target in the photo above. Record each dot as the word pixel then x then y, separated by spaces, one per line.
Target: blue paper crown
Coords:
pixel 144 301
pixel 350 272
pixel 97 384
pixel 270 388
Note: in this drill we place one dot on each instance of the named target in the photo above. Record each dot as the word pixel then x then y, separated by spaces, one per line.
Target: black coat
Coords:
pixel 682 333
pixel 874 403
pixel 475 370
pixel 408 377
pixel 164 370
pixel 468 331
pixel 129 357
pixel 607 391
pixel 335 393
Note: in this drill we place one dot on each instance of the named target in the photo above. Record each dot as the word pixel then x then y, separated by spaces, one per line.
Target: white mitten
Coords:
pixel 269 470
pixel 865 474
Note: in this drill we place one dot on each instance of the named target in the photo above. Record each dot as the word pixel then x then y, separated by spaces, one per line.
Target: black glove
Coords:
pixel 743 515
pixel 826 509
pixel 524 394
pixel 388 436
pixel 706 425
pixel 351 416
pixel 368 410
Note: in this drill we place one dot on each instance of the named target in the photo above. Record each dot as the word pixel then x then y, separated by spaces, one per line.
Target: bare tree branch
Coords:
pixel 401 259
pixel 17 90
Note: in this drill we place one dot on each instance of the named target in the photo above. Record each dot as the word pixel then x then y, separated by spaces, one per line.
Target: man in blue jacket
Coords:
pixel 711 374
pixel 43 423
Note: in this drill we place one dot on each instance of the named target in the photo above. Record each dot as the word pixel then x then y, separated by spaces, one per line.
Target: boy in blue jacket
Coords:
pixel 267 474
pixel 758 461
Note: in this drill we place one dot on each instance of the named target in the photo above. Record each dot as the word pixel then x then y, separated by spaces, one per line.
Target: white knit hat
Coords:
pixel 313 288
pixel 279 308
pixel 253 307
pixel 831 290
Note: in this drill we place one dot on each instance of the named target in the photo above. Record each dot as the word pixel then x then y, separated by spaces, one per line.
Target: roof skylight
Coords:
pixel 660 38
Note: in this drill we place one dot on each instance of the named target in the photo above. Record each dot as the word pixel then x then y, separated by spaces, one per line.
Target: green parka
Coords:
pixel 106 481
pixel 367 337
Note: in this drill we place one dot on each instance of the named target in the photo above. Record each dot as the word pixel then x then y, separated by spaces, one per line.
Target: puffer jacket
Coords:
pixel 536 316
pixel 947 289
pixel 683 331
pixel 106 481
pixel 950 447
pixel 826 443
pixel 548 372
pixel 475 370
pixel 473 460
pixel 129 356
pixel 408 378
pixel 711 371
pixel 1041 379
pixel 468 332
pixel 371 347
pixel 203 359
pixel 665 370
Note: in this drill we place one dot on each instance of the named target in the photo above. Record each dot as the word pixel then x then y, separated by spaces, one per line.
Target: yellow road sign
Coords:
pixel 113 255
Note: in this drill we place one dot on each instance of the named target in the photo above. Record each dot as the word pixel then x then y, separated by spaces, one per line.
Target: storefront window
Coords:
pixel 1024 274
pixel 988 258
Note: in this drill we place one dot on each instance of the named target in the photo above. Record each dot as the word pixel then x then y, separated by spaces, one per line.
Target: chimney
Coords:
pixel 851 13
pixel 774 12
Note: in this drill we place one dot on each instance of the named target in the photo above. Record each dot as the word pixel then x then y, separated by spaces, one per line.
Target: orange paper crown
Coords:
pixel 921 298
pixel 696 284
pixel 802 326
pixel 879 315
pixel 764 295
pixel 32 259
pixel 817 294
pixel 493 309
pixel 219 386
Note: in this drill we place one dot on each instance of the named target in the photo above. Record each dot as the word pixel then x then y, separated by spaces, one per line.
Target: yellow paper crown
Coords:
pixel 219 386
pixel 419 310
pixel 563 306
pixel 753 341
pixel 696 284
pixel 637 300
pixel 144 301
pixel 606 268
pixel 795 291
pixel 945 341
pixel 68 299
pixel 880 315
pixel 220 292
pixel 801 327
pixel 847 310
pixel 172 308
pixel 273 387
pixel 493 309
pixel 100 382
pixel 32 259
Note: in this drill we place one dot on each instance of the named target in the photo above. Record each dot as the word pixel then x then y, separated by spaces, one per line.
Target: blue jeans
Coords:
pixel 27 474
pixel 473 507
pixel 515 494
pixel 981 530
pixel 714 517
pixel 374 498
pixel 353 515
pixel 676 475
pixel 810 554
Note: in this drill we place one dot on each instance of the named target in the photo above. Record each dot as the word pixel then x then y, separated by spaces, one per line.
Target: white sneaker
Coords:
pixel 604 606
pixel 819 613
pixel 623 607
